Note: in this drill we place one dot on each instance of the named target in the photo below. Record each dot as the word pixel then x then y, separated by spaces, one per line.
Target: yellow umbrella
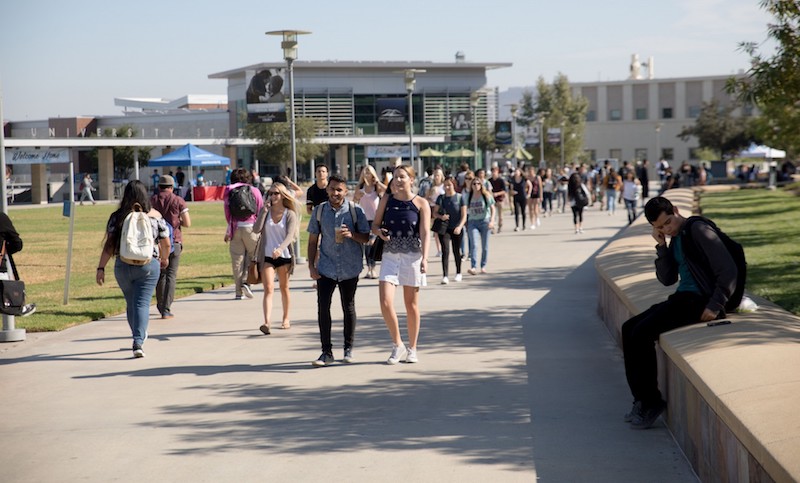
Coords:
pixel 460 153
pixel 431 153
pixel 519 153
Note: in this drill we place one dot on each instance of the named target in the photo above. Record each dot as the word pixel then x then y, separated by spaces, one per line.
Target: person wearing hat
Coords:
pixel 174 210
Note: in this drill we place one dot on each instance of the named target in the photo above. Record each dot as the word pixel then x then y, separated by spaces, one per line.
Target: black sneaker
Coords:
pixel 634 413
pixel 324 360
pixel 348 356
pixel 137 350
pixel 28 309
pixel 648 416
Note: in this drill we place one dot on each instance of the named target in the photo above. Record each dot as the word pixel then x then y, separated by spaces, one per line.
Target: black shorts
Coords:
pixel 277 262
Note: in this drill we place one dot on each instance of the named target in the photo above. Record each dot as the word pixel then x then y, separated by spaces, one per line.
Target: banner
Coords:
pixel 391 116
pixel 387 152
pixel 461 126
pixel 265 99
pixel 502 132
pixel 37 156
pixel 532 135
pixel 554 135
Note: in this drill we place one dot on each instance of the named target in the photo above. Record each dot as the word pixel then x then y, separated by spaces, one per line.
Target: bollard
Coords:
pixel 9 332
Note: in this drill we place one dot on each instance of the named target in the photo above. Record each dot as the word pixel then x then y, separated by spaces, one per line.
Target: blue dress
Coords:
pixel 401 218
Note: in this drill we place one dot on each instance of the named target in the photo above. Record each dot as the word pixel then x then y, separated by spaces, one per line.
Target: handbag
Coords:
pixel 12 292
pixel 377 249
pixel 440 226
pixel 253 274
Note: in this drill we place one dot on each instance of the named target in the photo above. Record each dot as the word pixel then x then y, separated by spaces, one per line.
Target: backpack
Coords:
pixel 736 251
pixel 137 242
pixel 242 202
pixel 424 186
pixel 318 213
pixel 581 200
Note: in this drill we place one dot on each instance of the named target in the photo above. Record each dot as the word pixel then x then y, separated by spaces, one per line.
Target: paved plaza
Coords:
pixel 518 380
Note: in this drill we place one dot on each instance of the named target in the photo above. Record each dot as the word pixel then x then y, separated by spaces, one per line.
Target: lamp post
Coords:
pixel 658 142
pixel 474 99
pixel 289 46
pixel 514 110
pixel 563 125
pixel 410 78
pixel 540 122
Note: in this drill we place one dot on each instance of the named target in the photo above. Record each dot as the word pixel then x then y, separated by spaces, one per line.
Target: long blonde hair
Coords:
pixel 362 181
pixel 289 202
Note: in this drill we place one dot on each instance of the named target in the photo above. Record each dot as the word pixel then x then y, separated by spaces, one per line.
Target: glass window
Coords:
pixel 668 154
pixel 694 112
pixel 615 153
pixel 641 114
pixel 615 115
pixel 666 113
pixel 591 116
pixel 640 154
pixel 591 154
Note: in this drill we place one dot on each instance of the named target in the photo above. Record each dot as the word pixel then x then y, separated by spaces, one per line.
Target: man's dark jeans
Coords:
pixel 347 292
pixel 165 290
pixel 640 333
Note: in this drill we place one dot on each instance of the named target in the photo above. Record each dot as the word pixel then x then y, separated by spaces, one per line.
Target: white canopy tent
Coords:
pixel 761 151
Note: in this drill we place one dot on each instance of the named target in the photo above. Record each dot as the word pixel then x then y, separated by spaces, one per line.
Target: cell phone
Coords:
pixel 718 322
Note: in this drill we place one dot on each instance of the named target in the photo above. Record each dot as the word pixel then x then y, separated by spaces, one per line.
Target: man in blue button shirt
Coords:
pixel 340 262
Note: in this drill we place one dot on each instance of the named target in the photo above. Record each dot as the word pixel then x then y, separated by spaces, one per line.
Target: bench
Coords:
pixel 732 391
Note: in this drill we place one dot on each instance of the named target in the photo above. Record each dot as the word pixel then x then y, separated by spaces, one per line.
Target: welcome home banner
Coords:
pixel 37 156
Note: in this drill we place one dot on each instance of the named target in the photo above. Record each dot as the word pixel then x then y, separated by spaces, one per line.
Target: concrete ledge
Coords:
pixel 733 391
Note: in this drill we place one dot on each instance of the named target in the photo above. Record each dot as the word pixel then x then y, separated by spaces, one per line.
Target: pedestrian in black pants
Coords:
pixel 343 229
pixel 699 261
pixel 449 207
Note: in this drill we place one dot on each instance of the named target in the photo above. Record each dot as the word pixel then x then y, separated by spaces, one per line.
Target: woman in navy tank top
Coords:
pixel 402 221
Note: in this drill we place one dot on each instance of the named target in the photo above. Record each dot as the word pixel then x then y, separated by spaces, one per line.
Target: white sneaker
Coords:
pixel 411 358
pixel 458 277
pixel 246 291
pixel 398 352
pixel 438 254
pixel 445 280
pixel 533 227
pixel 538 221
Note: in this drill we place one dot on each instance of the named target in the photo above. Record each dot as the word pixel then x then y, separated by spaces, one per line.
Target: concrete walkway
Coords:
pixel 518 380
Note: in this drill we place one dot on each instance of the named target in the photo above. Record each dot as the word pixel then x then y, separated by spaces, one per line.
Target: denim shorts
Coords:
pixel 402 269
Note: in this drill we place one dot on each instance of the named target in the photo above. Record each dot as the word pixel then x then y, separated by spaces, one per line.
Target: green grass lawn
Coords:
pixel 205 263
pixel 767 224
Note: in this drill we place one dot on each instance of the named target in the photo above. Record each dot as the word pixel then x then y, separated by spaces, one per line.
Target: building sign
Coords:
pixel 391 116
pixel 532 135
pixel 554 135
pixel 461 126
pixel 388 151
pixel 502 132
pixel 37 156
pixel 265 99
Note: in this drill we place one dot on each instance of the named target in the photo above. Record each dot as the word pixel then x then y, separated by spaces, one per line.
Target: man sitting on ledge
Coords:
pixel 699 261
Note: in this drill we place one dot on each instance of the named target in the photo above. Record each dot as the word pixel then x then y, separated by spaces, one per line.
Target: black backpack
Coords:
pixel 242 202
pixel 737 253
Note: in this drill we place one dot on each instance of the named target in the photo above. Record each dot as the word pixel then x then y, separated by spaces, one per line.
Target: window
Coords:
pixel 641 114
pixel 666 113
pixel 668 154
pixel 640 154
pixel 591 116
pixel 694 112
pixel 591 154
pixel 615 115
pixel 615 153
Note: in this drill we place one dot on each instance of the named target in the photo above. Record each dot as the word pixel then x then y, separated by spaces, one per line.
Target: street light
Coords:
pixel 474 99
pixel 410 78
pixel 540 122
pixel 658 142
pixel 514 109
pixel 563 125
pixel 289 46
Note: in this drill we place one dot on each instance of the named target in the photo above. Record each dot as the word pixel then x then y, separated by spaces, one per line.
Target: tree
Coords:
pixel 275 138
pixel 556 107
pixel 773 83
pixel 717 129
pixel 123 156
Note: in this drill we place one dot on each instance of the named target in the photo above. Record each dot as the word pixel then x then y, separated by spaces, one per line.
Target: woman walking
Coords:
pixel 240 231
pixel 579 196
pixel 277 226
pixel 631 192
pixel 402 221
pixel 548 191
pixel 535 198
pixel 86 189
pixel 480 213
pixel 137 280
pixel 436 189
pixel 368 195
pixel 448 207
pixel 520 190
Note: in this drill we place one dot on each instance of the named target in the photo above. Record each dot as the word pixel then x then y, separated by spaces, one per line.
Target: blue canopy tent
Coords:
pixel 191 156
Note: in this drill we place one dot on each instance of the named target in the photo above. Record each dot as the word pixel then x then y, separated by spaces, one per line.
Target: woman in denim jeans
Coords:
pixel 631 191
pixel 480 213
pixel 137 282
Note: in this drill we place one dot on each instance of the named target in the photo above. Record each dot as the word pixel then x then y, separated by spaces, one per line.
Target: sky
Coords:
pixel 66 59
